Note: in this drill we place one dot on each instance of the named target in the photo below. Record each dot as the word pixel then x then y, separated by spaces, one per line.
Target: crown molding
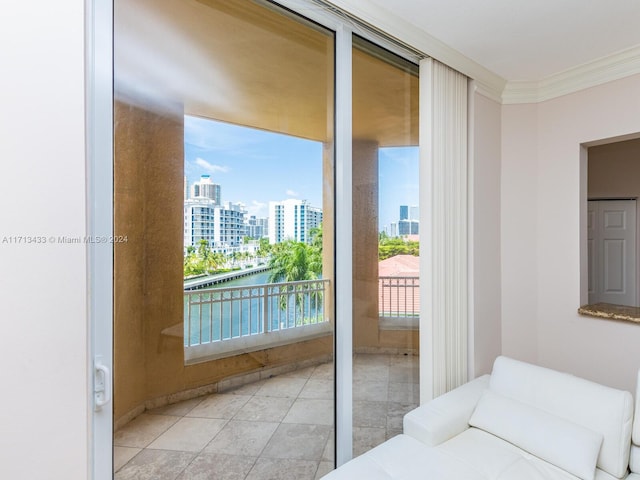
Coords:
pixel 491 84
pixel 613 67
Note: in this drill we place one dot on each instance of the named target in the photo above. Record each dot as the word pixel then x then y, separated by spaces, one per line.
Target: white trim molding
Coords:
pixel 607 69
pixel 415 38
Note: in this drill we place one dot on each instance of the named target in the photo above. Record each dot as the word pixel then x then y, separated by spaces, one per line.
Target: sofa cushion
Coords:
pixel 567 445
pixel 602 409
pixel 496 459
pixel 405 458
pixel 446 416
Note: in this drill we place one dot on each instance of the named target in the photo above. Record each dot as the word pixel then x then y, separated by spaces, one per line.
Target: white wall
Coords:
pixel 485 117
pixel 541 192
pixel 43 345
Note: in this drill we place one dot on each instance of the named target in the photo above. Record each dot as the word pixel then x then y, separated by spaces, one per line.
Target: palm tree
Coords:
pixel 292 262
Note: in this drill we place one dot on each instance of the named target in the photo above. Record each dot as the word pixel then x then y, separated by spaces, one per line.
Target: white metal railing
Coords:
pixel 221 321
pixel 398 297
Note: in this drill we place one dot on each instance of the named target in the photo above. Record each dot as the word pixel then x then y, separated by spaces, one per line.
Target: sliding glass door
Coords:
pixel 265 300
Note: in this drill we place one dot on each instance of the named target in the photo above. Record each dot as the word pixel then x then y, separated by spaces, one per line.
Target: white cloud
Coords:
pixel 292 193
pixel 259 209
pixel 210 167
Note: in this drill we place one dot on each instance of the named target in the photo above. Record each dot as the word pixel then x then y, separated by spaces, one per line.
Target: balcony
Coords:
pixel 221 322
pixel 267 426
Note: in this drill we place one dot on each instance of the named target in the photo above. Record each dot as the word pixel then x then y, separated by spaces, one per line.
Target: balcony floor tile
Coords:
pixel 278 428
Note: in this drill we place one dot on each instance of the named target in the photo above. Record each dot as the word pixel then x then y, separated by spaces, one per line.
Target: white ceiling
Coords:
pixel 526 40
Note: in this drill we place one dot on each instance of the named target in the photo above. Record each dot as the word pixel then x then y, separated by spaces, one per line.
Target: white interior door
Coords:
pixel 612 251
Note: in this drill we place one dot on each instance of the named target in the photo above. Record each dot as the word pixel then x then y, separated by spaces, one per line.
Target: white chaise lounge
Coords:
pixel 522 422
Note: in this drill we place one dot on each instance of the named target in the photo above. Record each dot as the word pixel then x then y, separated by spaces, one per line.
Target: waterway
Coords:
pixel 218 313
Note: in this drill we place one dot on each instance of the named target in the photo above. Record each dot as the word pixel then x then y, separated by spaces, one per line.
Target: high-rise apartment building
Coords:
pixel 205 188
pixel 256 228
pixel 292 219
pixel 218 225
pixel 409 222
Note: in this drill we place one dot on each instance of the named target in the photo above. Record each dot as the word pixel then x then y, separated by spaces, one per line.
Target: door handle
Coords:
pixel 101 386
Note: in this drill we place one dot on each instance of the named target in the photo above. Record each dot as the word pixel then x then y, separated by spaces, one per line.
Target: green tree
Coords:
pixel 264 248
pixel 295 261
pixel 390 247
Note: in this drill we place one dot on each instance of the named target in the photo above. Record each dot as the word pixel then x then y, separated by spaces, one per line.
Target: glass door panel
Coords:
pixel 224 289
pixel 385 243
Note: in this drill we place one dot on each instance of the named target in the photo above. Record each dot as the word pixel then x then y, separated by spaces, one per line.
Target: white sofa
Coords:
pixel 634 461
pixel 523 422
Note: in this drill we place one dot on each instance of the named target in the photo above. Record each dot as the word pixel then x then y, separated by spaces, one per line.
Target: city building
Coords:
pixel 409 222
pixel 292 219
pixel 221 226
pixel 256 228
pixel 205 188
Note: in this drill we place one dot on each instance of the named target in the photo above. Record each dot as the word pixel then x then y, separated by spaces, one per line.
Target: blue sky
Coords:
pixel 253 167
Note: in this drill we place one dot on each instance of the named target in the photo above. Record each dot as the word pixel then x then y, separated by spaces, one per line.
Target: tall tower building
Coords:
pixel 205 188
pixel 292 219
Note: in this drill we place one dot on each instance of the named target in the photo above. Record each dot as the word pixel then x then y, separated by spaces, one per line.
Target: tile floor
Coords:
pixel 280 428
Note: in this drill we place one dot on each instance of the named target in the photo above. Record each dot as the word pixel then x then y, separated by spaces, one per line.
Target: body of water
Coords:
pixel 218 313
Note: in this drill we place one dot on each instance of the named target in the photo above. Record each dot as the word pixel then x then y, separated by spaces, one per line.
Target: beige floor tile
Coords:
pixel 179 409
pixel 281 387
pixel 283 469
pixel 155 465
pixel 242 438
pixel 372 391
pixel 370 359
pixel 396 413
pixel 210 466
pixel 300 442
pixel 366 438
pixel 121 455
pixel 189 434
pixel 392 433
pixel 370 373
pixel 369 414
pixel 403 374
pixel 310 411
pixel 219 405
pixel 265 409
pixel 405 360
pixel 404 393
pixel 329 453
pixel 317 389
pixel 323 372
pixel 323 469
pixel 143 430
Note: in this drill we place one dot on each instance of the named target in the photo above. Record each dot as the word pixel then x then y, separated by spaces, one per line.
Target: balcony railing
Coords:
pixel 398 302
pixel 223 321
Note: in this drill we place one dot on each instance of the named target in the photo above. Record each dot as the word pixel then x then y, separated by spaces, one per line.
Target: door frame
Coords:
pixel 99 127
pixel 99 154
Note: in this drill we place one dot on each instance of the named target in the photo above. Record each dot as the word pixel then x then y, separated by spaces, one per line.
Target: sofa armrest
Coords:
pixel 446 416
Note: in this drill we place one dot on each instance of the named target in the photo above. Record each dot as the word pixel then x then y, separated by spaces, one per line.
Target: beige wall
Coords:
pixel 148 284
pixel 542 168
pixel 44 347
